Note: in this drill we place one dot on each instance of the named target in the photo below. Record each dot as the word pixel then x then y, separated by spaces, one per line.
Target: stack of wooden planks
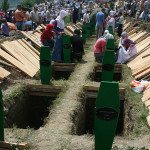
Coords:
pixel 22 55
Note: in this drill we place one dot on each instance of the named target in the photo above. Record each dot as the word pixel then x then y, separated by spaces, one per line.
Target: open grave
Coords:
pixel 30 108
pixel 97 73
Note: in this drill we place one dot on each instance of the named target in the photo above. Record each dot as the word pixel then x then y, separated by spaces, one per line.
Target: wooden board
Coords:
pixel 3 73
pixel 16 63
pixel 31 47
pixel 28 49
pixel 9 47
pixel 8 145
pixel 26 53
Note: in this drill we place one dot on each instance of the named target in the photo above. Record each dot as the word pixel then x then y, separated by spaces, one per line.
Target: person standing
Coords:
pixel 146 9
pixel 80 12
pixel 48 15
pixel 137 7
pixel 34 17
pixel 100 22
pixel 59 26
pixel 121 19
pixel 86 18
pixel 75 15
pixel 19 17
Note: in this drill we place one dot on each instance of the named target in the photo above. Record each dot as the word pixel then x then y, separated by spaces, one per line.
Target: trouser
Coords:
pixel 35 24
pixel 19 25
pixel 144 16
pixel 99 31
pixel 120 30
pixel 99 57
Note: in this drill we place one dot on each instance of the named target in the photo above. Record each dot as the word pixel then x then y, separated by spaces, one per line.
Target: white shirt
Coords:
pixel 86 18
pixel 121 20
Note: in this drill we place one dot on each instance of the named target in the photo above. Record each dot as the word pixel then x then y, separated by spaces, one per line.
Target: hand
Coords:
pixel 60 33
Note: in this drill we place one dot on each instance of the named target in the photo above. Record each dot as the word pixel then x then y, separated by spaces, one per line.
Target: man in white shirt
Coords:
pixel 48 15
pixel 86 18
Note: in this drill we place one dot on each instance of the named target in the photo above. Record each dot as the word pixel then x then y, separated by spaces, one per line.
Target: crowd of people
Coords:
pixel 54 14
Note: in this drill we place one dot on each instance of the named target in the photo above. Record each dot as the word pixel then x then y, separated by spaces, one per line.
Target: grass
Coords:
pixel 139 111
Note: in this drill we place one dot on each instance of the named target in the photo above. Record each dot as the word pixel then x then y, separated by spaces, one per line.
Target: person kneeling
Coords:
pixel 48 36
pixel 99 49
pixel 126 51
pixel 77 46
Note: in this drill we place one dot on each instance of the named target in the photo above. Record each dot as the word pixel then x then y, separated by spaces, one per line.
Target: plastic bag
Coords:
pixel 137 86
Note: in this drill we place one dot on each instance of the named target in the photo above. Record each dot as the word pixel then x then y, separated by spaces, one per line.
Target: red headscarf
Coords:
pixel 128 43
pixel 47 33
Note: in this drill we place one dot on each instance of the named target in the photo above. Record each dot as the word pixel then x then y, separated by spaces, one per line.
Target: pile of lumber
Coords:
pixel 21 55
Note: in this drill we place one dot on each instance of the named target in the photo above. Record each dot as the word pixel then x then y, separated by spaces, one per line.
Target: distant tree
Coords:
pixel 5 5
pixel 39 1
pixel 27 3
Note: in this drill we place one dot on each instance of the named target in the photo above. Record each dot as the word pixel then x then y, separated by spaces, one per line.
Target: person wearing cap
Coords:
pixel 19 17
pixel 77 45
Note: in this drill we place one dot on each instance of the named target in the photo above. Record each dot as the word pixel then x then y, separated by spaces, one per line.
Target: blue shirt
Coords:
pixel 5 28
pixel 100 16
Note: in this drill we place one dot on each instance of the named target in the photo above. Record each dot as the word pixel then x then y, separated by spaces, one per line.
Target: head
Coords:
pixel 120 14
pixel 77 32
pixel 103 10
pixel 50 27
pixel 124 35
pixel 19 7
pixel 128 43
pixel 63 14
pixel 49 8
pixel 35 8
pixel 106 32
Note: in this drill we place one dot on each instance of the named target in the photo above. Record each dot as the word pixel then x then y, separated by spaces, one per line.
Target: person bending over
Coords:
pixel 77 45
pixel 48 36
pixel 99 49
pixel 127 50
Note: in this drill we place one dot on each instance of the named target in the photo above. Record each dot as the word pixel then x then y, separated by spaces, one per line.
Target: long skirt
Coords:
pixel 57 50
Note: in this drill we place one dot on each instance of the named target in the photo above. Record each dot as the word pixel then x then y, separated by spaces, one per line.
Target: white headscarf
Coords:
pixel 60 21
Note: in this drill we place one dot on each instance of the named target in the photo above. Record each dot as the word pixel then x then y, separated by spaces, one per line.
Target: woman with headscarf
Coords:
pixel 59 26
pixel 127 51
pixel 107 35
pixel 123 36
pixel 48 36
pixel 111 22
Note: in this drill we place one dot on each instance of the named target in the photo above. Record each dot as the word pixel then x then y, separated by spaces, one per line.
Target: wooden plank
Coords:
pixel 41 87
pixel 94 88
pixel 16 63
pixel 146 72
pixel 31 47
pixel 147 103
pixel 3 73
pixel 64 64
pixel 26 54
pixel 31 39
pixel 8 145
pixel 15 53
